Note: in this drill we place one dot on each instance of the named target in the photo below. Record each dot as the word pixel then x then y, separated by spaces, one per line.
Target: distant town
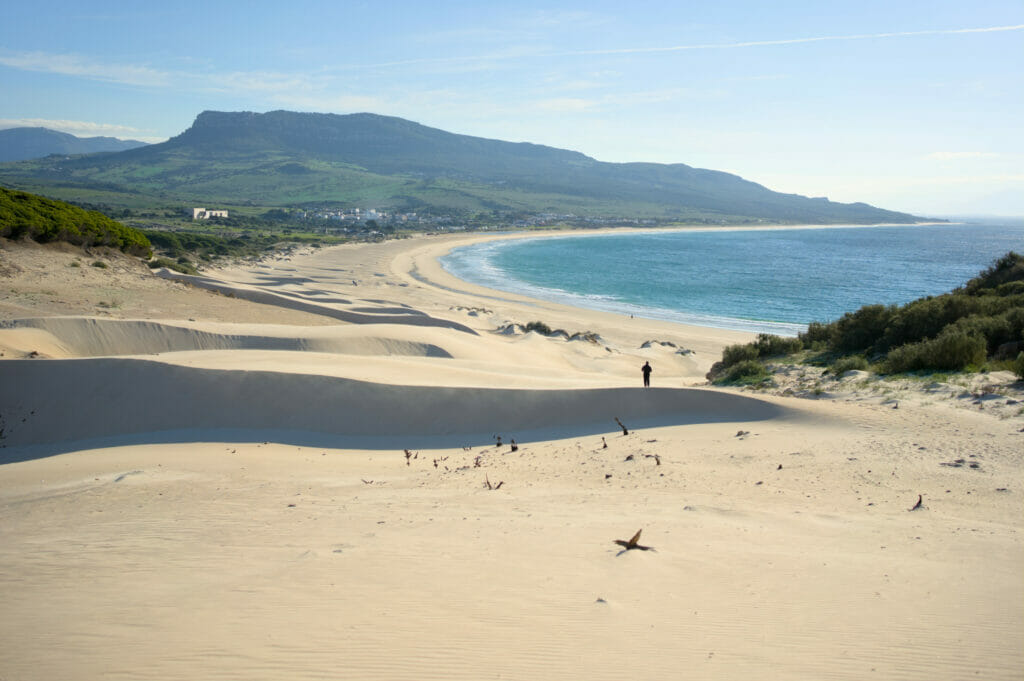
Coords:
pixel 358 219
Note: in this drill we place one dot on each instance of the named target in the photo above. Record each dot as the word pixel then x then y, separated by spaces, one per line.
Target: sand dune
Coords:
pixel 316 304
pixel 61 403
pixel 91 337
pixel 204 486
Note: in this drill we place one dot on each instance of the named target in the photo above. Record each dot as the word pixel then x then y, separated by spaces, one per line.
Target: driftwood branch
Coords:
pixel 624 430
pixel 632 543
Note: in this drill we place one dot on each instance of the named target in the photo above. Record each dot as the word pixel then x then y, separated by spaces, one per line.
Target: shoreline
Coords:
pixel 691 319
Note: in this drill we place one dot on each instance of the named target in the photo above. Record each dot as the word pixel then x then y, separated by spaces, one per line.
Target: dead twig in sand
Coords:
pixel 657 459
pixel 919 504
pixel 408 455
pixel 515 447
pixel 632 543
pixel 624 430
pixel 487 481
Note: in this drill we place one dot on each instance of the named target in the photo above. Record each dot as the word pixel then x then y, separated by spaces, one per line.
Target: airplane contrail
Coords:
pixel 793 41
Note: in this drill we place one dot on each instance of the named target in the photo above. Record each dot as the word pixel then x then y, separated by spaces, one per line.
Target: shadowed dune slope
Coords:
pixel 54 403
pixel 303 303
pixel 89 337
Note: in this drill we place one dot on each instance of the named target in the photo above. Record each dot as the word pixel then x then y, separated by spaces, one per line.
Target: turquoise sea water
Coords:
pixel 751 280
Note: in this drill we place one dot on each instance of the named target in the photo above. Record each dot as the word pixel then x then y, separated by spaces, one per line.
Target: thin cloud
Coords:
pixel 262 82
pixel 566 104
pixel 532 53
pixel 793 41
pixel 79 128
pixel 76 65
pixel 960 155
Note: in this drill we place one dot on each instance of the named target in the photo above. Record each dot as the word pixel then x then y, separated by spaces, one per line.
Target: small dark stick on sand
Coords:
pixel 919 504
pixel 624 431
pixel 604 443
pixel 515 447
pixel 632 543
pixel 408 455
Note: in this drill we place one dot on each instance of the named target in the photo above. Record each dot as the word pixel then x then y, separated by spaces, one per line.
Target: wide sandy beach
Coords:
pixel 291 469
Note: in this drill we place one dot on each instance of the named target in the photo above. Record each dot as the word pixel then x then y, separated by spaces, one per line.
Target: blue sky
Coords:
pixel 915 106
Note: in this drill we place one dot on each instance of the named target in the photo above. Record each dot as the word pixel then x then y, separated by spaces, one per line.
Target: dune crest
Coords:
pixel 140 401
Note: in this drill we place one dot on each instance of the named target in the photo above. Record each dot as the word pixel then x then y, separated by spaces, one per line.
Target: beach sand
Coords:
pixel 290 469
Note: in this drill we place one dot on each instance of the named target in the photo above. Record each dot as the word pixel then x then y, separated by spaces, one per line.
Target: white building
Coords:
pixel 203 214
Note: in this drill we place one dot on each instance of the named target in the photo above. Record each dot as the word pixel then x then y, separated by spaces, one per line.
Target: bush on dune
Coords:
pixel 748 355
pixel 24 215
pixel 953 350
pixel 769 345
pixel 851 363
pixel 746 372
pixel 955 331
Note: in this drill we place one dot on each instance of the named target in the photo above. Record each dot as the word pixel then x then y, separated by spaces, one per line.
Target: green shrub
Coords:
pixel 1018 366
pixel 817 332
pixel 1009 268
pixel 953 350
pixel 850 363
pixel 995 330
pixel 769 345
pixel 734 354
pixel 100 264
pixel 746 372
pixel 924 318
pixel 859 331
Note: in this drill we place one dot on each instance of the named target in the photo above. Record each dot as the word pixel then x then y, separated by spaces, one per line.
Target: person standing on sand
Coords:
pixel 646 369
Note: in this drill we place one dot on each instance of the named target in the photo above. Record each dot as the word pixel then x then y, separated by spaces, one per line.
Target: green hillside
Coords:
pixel 282 159
pixel 41 219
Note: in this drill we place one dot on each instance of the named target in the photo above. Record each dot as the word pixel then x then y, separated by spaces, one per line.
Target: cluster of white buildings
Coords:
pixel 353 215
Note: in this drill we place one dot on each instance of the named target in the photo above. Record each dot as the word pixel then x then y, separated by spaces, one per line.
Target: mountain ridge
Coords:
pixel 369 160
pixel 25 143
